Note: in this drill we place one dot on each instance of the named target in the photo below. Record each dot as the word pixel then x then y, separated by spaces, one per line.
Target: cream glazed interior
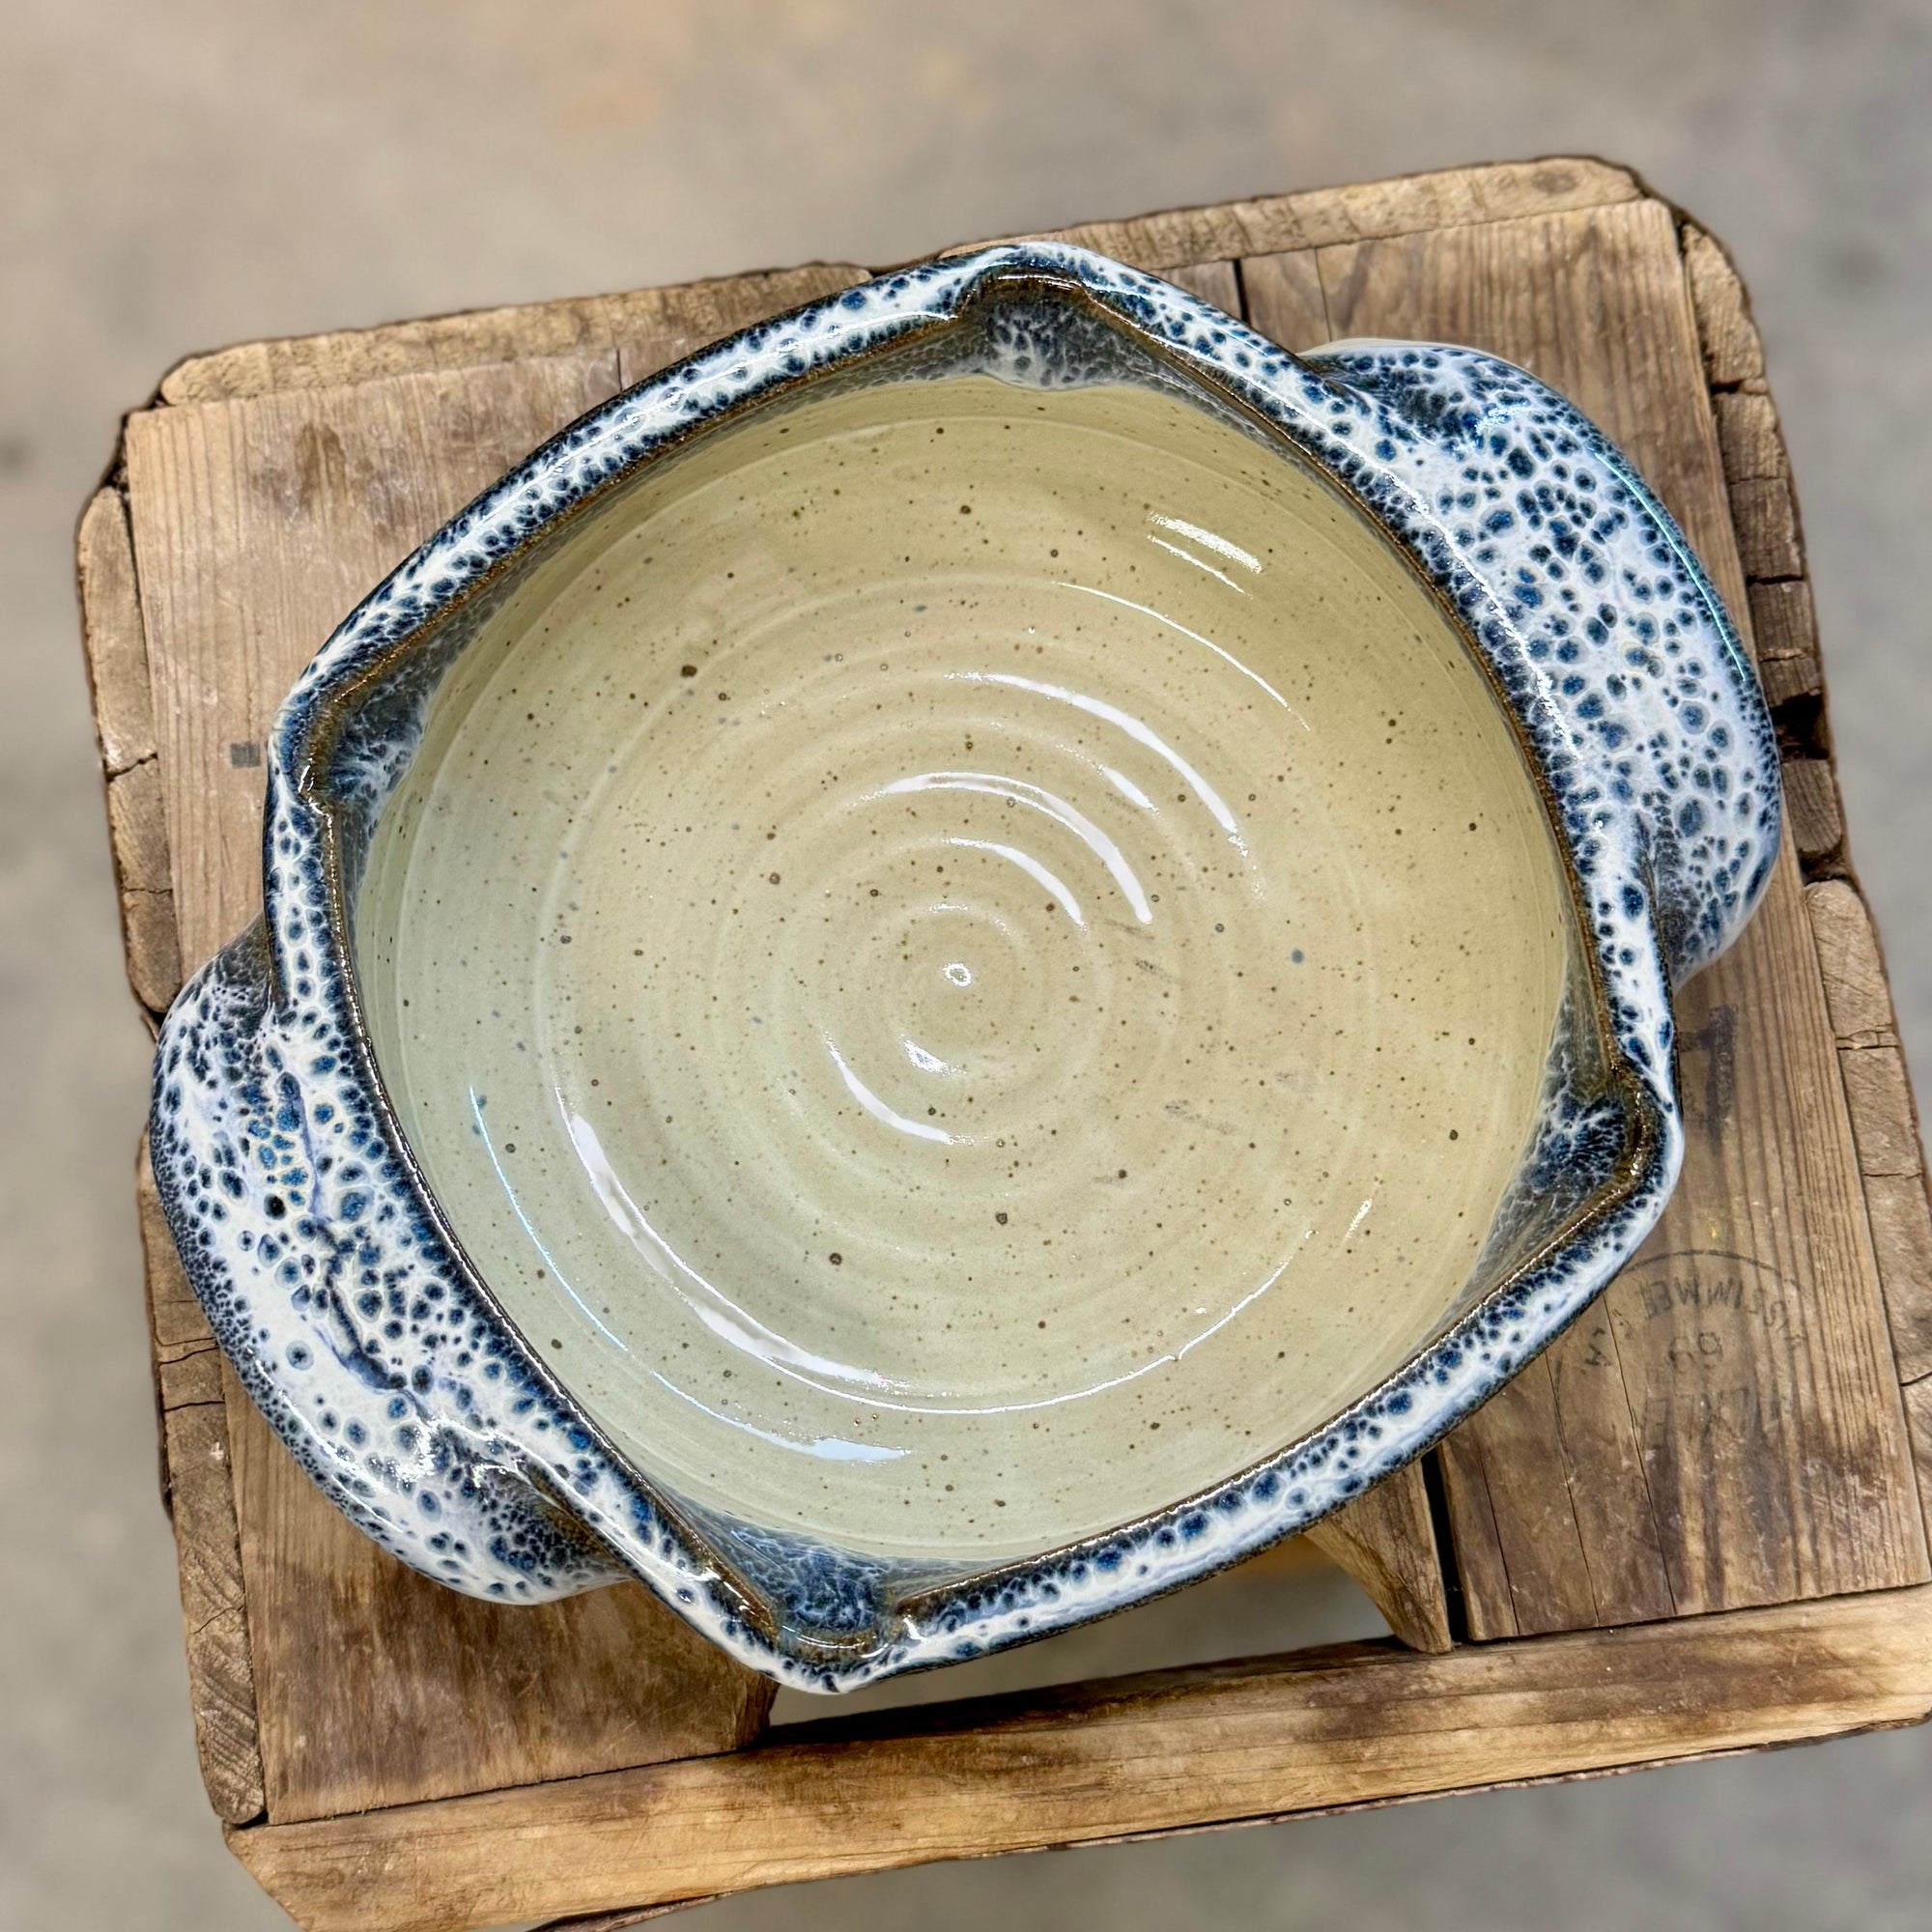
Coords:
pixel 976 958
pixel 962 960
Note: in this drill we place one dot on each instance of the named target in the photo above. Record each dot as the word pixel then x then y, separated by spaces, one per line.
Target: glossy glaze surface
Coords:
pixel 974 960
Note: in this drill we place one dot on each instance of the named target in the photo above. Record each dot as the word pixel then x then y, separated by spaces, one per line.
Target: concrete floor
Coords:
pixel 176 177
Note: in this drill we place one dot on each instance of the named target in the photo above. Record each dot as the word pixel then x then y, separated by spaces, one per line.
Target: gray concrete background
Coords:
pixel 172 178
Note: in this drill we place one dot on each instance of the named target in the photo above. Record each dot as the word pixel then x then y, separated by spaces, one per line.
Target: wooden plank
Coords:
pixel 1728 336
pixel 1783 623
pixel 1285 299
pixel 1354 1725
pixel 1885 1121
pixel 258 523
pixel 1748 437
pixel 699 312
pixel 1386 1540
pixel 1919 1413
pixel 1815 817
pixel 194 1461
pixel 1765 511
pixel 113 642
pixel 1216 282
pixel 1314 218
pixel 665 323
pixel 1760 1436
pixel 1570 1546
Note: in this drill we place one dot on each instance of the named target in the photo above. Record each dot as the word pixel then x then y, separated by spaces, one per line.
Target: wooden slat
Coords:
pixel 1212 281
pixel 112 640
pixel 1734 1397
pixel 1728 336
pixel 258 523
pixel 1315 217
pixel 1783 624
pixel 114 644
pixel 1386 1540
pixel 1326 1730
pixel 1285 300
pixel 195 1479
pixel 1814 815
pixel 660 324
pixel 257 526
pixel 685 318
pixel 1884 1123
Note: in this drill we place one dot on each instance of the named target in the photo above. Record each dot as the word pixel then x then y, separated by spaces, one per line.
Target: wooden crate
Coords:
pixel 1694 1526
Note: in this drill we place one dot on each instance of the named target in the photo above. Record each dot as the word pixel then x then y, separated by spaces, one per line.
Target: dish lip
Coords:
pixel 1389 424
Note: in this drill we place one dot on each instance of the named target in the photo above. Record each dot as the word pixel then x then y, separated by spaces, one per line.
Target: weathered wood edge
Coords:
pixel 1771 547
pixel 1176 238
pixel 1386 1540
pixel 114 650
pixel 1354 1725
pixel 1878 1089
pixel 188 1398
pixel 1885 1124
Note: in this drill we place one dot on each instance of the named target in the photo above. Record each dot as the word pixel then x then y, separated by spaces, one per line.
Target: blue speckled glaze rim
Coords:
pixel 383 1359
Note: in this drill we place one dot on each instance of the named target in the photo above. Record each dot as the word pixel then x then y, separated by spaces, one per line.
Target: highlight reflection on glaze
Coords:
pixel 1034 915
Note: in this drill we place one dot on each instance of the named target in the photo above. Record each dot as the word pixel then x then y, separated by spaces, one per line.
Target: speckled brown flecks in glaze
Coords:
pixel 1046 951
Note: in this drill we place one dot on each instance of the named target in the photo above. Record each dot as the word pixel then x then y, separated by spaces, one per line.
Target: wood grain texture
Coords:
pixel 1314 218
pixel 1285 299
pixel 379 1685
pixel 1785 626
pixel 1919 1415
pixel 1814 814
pixel 114 646
pixel 259 522
pixel 662 325
pixel 257 526
pixel 113 643
pixel 1328 1729
pixel 200 1498
pixel 1725 1428
pixel 1216 282
pixel 1386 1540
pixel 1885 1121
pixel 682 319
pixel 1728 339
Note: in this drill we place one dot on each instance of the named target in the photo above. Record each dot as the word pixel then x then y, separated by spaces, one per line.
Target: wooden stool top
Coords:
pixel 1731 1430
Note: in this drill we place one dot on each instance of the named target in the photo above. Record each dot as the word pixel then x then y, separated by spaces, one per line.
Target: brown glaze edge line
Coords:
pixel 1142 1757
